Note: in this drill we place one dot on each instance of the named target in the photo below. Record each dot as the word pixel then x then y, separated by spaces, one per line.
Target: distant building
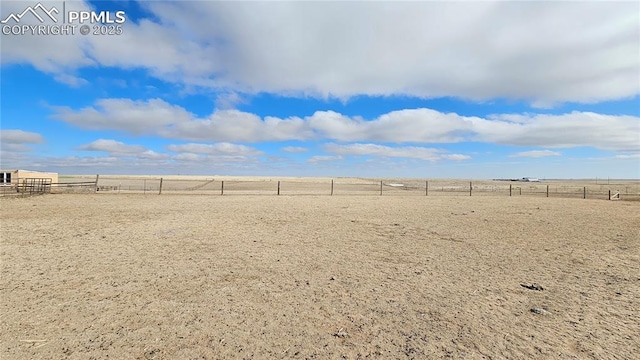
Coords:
pixel 527 179
pixel 16 177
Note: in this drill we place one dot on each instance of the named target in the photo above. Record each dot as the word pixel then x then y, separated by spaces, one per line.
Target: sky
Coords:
pixel 420 89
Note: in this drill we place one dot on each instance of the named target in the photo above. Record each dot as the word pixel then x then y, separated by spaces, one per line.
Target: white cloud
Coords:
pixel 536 154
pixel 573 51
pixel 213 159
pixel 323 158
pixel 73 81
pixel 188 157
pixel 229 100
pixel 159 118
pixel 409 152
pixel 294 149
pixel 15 147
pixel 234 125
pixel 150 154
pixel 137 117
pixel 628 156
pixel 215 149
pixel 14 140
pixel 119 150
pixel 410 125
pixel 220 153
pixel 59 55
pixel 457 157
pixel 16 136
pixel 609 132
pixel 112 146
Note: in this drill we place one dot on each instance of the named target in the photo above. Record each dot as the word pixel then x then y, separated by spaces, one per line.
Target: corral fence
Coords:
pixel 33 186
pixel 624 190
pixel 27 186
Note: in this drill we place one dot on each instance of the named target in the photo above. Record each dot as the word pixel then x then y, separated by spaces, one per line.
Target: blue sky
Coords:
pixel 376 89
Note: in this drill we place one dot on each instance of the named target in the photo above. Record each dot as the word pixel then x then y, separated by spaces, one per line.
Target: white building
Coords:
pixel 15 177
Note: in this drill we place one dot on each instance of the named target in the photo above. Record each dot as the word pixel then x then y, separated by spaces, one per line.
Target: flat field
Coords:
pixel 262 185
pixel 132 276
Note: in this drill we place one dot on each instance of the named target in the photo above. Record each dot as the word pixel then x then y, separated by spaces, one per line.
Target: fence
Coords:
pixel 27 186
pixel 75 186
pixel 625 190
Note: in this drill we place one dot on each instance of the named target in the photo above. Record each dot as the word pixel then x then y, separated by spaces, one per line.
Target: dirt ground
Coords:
pixel 93 276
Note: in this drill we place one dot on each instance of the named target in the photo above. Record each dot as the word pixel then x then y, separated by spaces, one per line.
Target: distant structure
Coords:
pixel 524 179
pixel 27 180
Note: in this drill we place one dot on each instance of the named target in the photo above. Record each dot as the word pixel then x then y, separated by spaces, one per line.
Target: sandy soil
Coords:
pixel 183 277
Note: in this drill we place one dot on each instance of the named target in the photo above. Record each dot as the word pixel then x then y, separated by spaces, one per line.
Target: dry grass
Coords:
pixel 133 276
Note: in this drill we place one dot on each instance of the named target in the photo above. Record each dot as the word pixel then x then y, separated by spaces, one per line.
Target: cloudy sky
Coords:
pixel 378 89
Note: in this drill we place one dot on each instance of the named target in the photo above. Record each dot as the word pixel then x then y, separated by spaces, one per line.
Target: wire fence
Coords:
pixel 624 190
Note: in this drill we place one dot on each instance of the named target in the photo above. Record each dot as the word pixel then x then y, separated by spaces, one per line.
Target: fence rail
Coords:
pixel 629 190
pixel 27 186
